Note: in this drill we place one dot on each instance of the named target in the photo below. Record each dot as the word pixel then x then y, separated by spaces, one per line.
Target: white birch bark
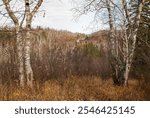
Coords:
pixel 20 58
pixel 113 46
pixel 129 36
pixel 133 37
pixel 29 16
pixel 28 68
pixel 18 40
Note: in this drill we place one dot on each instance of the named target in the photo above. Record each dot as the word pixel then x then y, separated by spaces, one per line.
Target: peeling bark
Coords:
pixel 29 15
pixel 20 58
pixel 19 42
pixel 112 45
pixel 28 68
pixel 133 36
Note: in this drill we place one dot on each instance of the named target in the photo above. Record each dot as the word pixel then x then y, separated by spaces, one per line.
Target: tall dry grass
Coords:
pixel 76 88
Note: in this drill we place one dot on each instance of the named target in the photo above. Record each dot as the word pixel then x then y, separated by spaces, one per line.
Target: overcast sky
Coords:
pixel 58 15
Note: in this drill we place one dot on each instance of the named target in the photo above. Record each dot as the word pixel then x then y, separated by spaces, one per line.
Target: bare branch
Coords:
pixel 10 12
pixel 39 3
pixel 145 42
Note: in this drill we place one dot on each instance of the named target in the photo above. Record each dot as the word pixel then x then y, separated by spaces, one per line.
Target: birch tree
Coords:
pixel 23 48
pixel 121 50
pixel 29 17
pixel 131 27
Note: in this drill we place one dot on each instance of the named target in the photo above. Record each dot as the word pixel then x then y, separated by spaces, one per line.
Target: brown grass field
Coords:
pixel 79 89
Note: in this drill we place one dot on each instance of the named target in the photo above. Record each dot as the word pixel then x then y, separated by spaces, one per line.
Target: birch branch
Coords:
pixel 10 12
pixel 35 9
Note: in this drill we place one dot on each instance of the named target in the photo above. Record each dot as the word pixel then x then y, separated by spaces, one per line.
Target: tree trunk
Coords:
pixel 126 74
pixel 133 37
pixel 19 41
pixel 113 49
pixel 28 68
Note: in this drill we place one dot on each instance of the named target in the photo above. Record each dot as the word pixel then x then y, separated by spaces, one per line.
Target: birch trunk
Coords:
pixel 29 16
pixel 133 37
pixel 19 42
pixel 113 57
pixel 28 68
pixel 20 57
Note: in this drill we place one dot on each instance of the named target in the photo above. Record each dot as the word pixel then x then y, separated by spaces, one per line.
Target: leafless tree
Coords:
pixel 23 48
pixel 122 49
pixel 131 27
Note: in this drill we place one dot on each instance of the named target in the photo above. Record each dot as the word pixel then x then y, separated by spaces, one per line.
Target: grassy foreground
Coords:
pixel 78 88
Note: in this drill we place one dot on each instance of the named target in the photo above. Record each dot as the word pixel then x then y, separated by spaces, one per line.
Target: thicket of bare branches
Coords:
pixel 55 54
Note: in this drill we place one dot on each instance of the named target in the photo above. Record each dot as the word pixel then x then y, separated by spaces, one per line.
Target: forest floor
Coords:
pixel 78 88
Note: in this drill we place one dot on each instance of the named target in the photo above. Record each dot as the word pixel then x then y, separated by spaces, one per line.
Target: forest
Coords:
pixel 50 64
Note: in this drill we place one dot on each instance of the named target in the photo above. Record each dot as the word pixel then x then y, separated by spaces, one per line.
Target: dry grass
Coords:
pixel 77 88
